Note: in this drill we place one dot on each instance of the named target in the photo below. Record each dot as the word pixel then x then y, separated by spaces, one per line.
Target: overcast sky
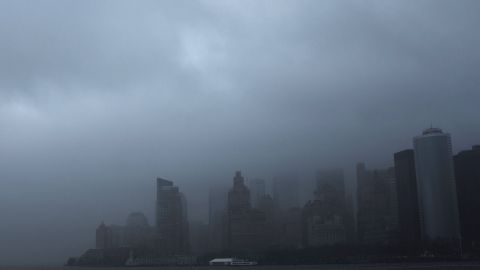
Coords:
pixel 97 98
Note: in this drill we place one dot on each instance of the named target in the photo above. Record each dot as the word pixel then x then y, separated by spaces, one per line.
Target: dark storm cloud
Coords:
pixel 97 98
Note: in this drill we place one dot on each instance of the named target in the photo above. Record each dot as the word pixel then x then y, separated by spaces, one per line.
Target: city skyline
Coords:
pixel 410 209
pixel 99 98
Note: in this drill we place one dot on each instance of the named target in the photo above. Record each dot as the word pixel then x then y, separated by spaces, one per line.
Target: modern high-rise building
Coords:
pixel 285 191
pixel 257 190
pixel 467 175
pixel 408 213
pixel 377 215
pixel 436 186
pixel 331 190
pixel 171 219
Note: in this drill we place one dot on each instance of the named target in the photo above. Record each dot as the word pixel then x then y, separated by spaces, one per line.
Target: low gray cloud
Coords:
pixel 97 98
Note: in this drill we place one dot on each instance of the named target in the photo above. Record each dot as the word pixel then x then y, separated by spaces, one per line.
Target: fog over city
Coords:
pixel 98 98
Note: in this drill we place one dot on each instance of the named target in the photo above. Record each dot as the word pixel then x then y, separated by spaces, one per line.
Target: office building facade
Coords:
pixel 408 212
pixel 436 186
pixel 467 176
pixel 171 219
pixel 377 215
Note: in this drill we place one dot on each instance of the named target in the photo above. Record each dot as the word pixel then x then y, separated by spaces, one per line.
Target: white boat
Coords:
pixel 243 263
pixel 231 262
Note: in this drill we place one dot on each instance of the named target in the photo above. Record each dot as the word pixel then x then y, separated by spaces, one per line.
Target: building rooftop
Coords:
pixel 164 182
pixel 432 131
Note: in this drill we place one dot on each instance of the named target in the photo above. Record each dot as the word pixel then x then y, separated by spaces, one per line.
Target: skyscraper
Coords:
pixel 171 219
pixel 239 195
pixel 408 215
pixel 103 237
pixel 436 186
pixel 324 218
pixel 377 215
pixel 285 191
pixel 467 175
pixel 246 226
pixel 257 190
pixel 331 190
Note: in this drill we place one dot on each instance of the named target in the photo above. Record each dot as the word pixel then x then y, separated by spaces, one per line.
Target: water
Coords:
pixel 428 266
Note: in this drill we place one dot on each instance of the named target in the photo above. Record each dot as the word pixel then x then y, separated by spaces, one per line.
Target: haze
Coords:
pixel 98 98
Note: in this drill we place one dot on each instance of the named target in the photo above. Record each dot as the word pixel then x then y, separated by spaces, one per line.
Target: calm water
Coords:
pixel 441 266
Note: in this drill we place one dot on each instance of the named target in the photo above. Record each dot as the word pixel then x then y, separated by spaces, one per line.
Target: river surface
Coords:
pixel 440 266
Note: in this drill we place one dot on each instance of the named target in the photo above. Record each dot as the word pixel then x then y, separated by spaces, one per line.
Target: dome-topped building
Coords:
pixel 432 130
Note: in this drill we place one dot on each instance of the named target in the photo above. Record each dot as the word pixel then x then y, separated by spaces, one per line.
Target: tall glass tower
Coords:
pixel 436 186
pixel 171 219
